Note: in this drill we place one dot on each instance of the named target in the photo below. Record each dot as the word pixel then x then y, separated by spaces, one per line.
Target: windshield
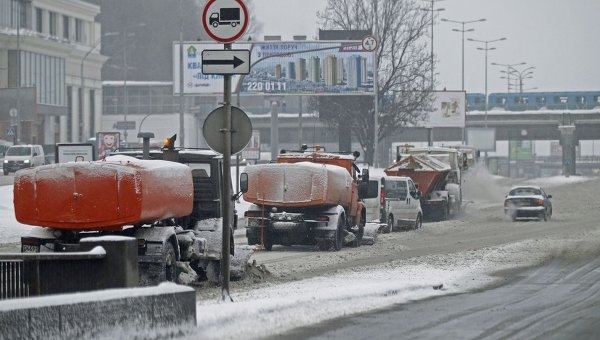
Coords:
pixel 19 151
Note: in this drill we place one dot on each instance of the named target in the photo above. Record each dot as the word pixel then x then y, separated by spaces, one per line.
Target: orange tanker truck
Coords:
pixel 308 197
pixel 172 209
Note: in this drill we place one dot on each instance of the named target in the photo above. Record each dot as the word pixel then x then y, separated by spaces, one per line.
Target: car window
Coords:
pixel 411 187
pixel 396 189
pixel 524 192
pixel 19 151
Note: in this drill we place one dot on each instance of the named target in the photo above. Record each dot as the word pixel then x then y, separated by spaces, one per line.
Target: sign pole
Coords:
pixel 225 250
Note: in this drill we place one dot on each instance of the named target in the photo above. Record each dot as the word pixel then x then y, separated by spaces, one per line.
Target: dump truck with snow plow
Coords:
pixel 169 202
pixel 307 197
pixel 437 172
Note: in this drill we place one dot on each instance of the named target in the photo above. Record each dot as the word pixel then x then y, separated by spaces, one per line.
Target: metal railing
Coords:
pixel 34 274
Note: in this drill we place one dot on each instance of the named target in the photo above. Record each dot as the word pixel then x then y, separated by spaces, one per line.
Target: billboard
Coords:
pixel 484 139
pixel 448 110
pixel 282 68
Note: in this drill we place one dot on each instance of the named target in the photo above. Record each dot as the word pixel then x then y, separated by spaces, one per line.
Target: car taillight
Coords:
pixel 382 197
pixel 539 202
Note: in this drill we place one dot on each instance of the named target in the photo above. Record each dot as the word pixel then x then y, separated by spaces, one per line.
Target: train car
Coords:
pixel 475 102
pixel 569 100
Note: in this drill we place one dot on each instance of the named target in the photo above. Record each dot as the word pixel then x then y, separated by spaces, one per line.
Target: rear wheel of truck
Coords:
pixel 169 259
pixel 338 241
pixel 390 225
pixel 418 222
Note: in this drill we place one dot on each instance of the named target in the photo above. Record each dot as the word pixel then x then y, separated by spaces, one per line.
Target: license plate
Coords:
pixel 27 248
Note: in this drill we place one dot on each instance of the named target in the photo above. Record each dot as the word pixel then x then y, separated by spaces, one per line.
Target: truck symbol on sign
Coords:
pixel 225 16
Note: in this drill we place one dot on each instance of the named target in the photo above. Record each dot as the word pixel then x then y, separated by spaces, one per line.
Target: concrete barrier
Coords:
pixel 155 312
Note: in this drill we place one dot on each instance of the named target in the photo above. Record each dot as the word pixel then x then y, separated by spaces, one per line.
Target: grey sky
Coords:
pixel 558 37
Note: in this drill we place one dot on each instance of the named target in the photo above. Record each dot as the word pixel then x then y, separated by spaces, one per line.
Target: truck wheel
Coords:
pixel 390 225
pixel 169 259
pixel 418 222
pixel 338 242
pixel 323 245
pixel 215 24
pixel 267 241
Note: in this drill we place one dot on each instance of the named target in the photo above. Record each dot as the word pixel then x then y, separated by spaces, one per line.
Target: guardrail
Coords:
pixel 103 263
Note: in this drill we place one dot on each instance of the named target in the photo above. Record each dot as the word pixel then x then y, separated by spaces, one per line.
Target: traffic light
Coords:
pixel 170 142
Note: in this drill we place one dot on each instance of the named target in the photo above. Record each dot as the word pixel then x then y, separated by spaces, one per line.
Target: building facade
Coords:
pixel 50 71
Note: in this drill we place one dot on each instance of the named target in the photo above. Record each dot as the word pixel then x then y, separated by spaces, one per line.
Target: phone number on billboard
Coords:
pixel 265 86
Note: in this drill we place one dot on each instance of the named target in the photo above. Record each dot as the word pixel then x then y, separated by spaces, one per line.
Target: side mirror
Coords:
pixel 243 182
pixel 549 196
pixel 368 189
pixel 365 175
pixel 243 186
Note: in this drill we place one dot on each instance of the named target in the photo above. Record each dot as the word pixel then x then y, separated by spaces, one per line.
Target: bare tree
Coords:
pixel 404 65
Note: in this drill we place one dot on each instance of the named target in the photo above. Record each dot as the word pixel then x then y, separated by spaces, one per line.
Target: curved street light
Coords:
pixel 463 23
pixel 508 67
pixel 526 73
pixel 486 49
pixel 432 10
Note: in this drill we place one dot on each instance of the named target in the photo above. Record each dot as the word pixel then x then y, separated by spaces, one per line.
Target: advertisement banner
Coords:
pixel 448 110
pixel 282 68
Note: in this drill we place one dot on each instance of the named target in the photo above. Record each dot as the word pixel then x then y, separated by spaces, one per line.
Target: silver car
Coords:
pixel 528 202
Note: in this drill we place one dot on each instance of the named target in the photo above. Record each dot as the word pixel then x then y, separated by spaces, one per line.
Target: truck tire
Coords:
pixel 338 241
pixel 169 258
pixel 418 222
pixel 390 225
pixel 267 241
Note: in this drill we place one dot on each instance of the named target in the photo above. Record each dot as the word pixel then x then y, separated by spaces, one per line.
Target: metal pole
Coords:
pixel 227 201
pixel 18 132
pixel 181 98
pixel 486 88
pixel 125 97
pixel 376 88
pixel 463 56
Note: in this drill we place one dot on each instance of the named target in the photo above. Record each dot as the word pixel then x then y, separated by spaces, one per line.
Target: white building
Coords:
pixel 50 70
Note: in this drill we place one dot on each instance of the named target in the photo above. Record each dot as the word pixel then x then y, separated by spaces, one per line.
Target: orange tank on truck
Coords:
pixel 168 199
pixel 307 197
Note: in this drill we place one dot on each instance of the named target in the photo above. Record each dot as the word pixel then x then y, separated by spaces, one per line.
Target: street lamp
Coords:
pixel 92 48
pixel 508 67
pixel 524 74
pixel 125 35
pixel 486 49
pixel 463 23
pixel 432 10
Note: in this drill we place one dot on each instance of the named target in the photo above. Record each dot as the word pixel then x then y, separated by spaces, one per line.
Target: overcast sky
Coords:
pixel 559 38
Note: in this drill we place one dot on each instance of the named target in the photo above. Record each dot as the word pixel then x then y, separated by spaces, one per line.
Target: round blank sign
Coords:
pixel 241 129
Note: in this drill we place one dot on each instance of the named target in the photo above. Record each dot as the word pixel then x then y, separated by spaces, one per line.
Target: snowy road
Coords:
pixel 464 254
pixel 306 286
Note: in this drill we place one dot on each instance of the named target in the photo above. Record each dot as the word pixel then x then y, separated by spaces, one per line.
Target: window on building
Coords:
pixel 39 20
pixel 78 30
pixel 92 113
pixel 66 27
pixel 52 23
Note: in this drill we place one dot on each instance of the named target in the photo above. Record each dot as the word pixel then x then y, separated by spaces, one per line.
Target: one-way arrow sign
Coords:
pixel 226 61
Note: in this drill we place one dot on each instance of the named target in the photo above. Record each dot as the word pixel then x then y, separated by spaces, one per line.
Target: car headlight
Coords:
pixel 26 161
pixel 5 161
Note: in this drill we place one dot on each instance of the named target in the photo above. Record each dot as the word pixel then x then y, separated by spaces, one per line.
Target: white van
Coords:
pixel 23 156
pixel 397 205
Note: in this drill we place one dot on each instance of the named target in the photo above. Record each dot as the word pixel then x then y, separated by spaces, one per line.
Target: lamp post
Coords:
pixel 524 74
pixel 92 48
pixel 486 49
pixel 508 67
pixel 125 35
pixel 463 30
pixel 432 10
